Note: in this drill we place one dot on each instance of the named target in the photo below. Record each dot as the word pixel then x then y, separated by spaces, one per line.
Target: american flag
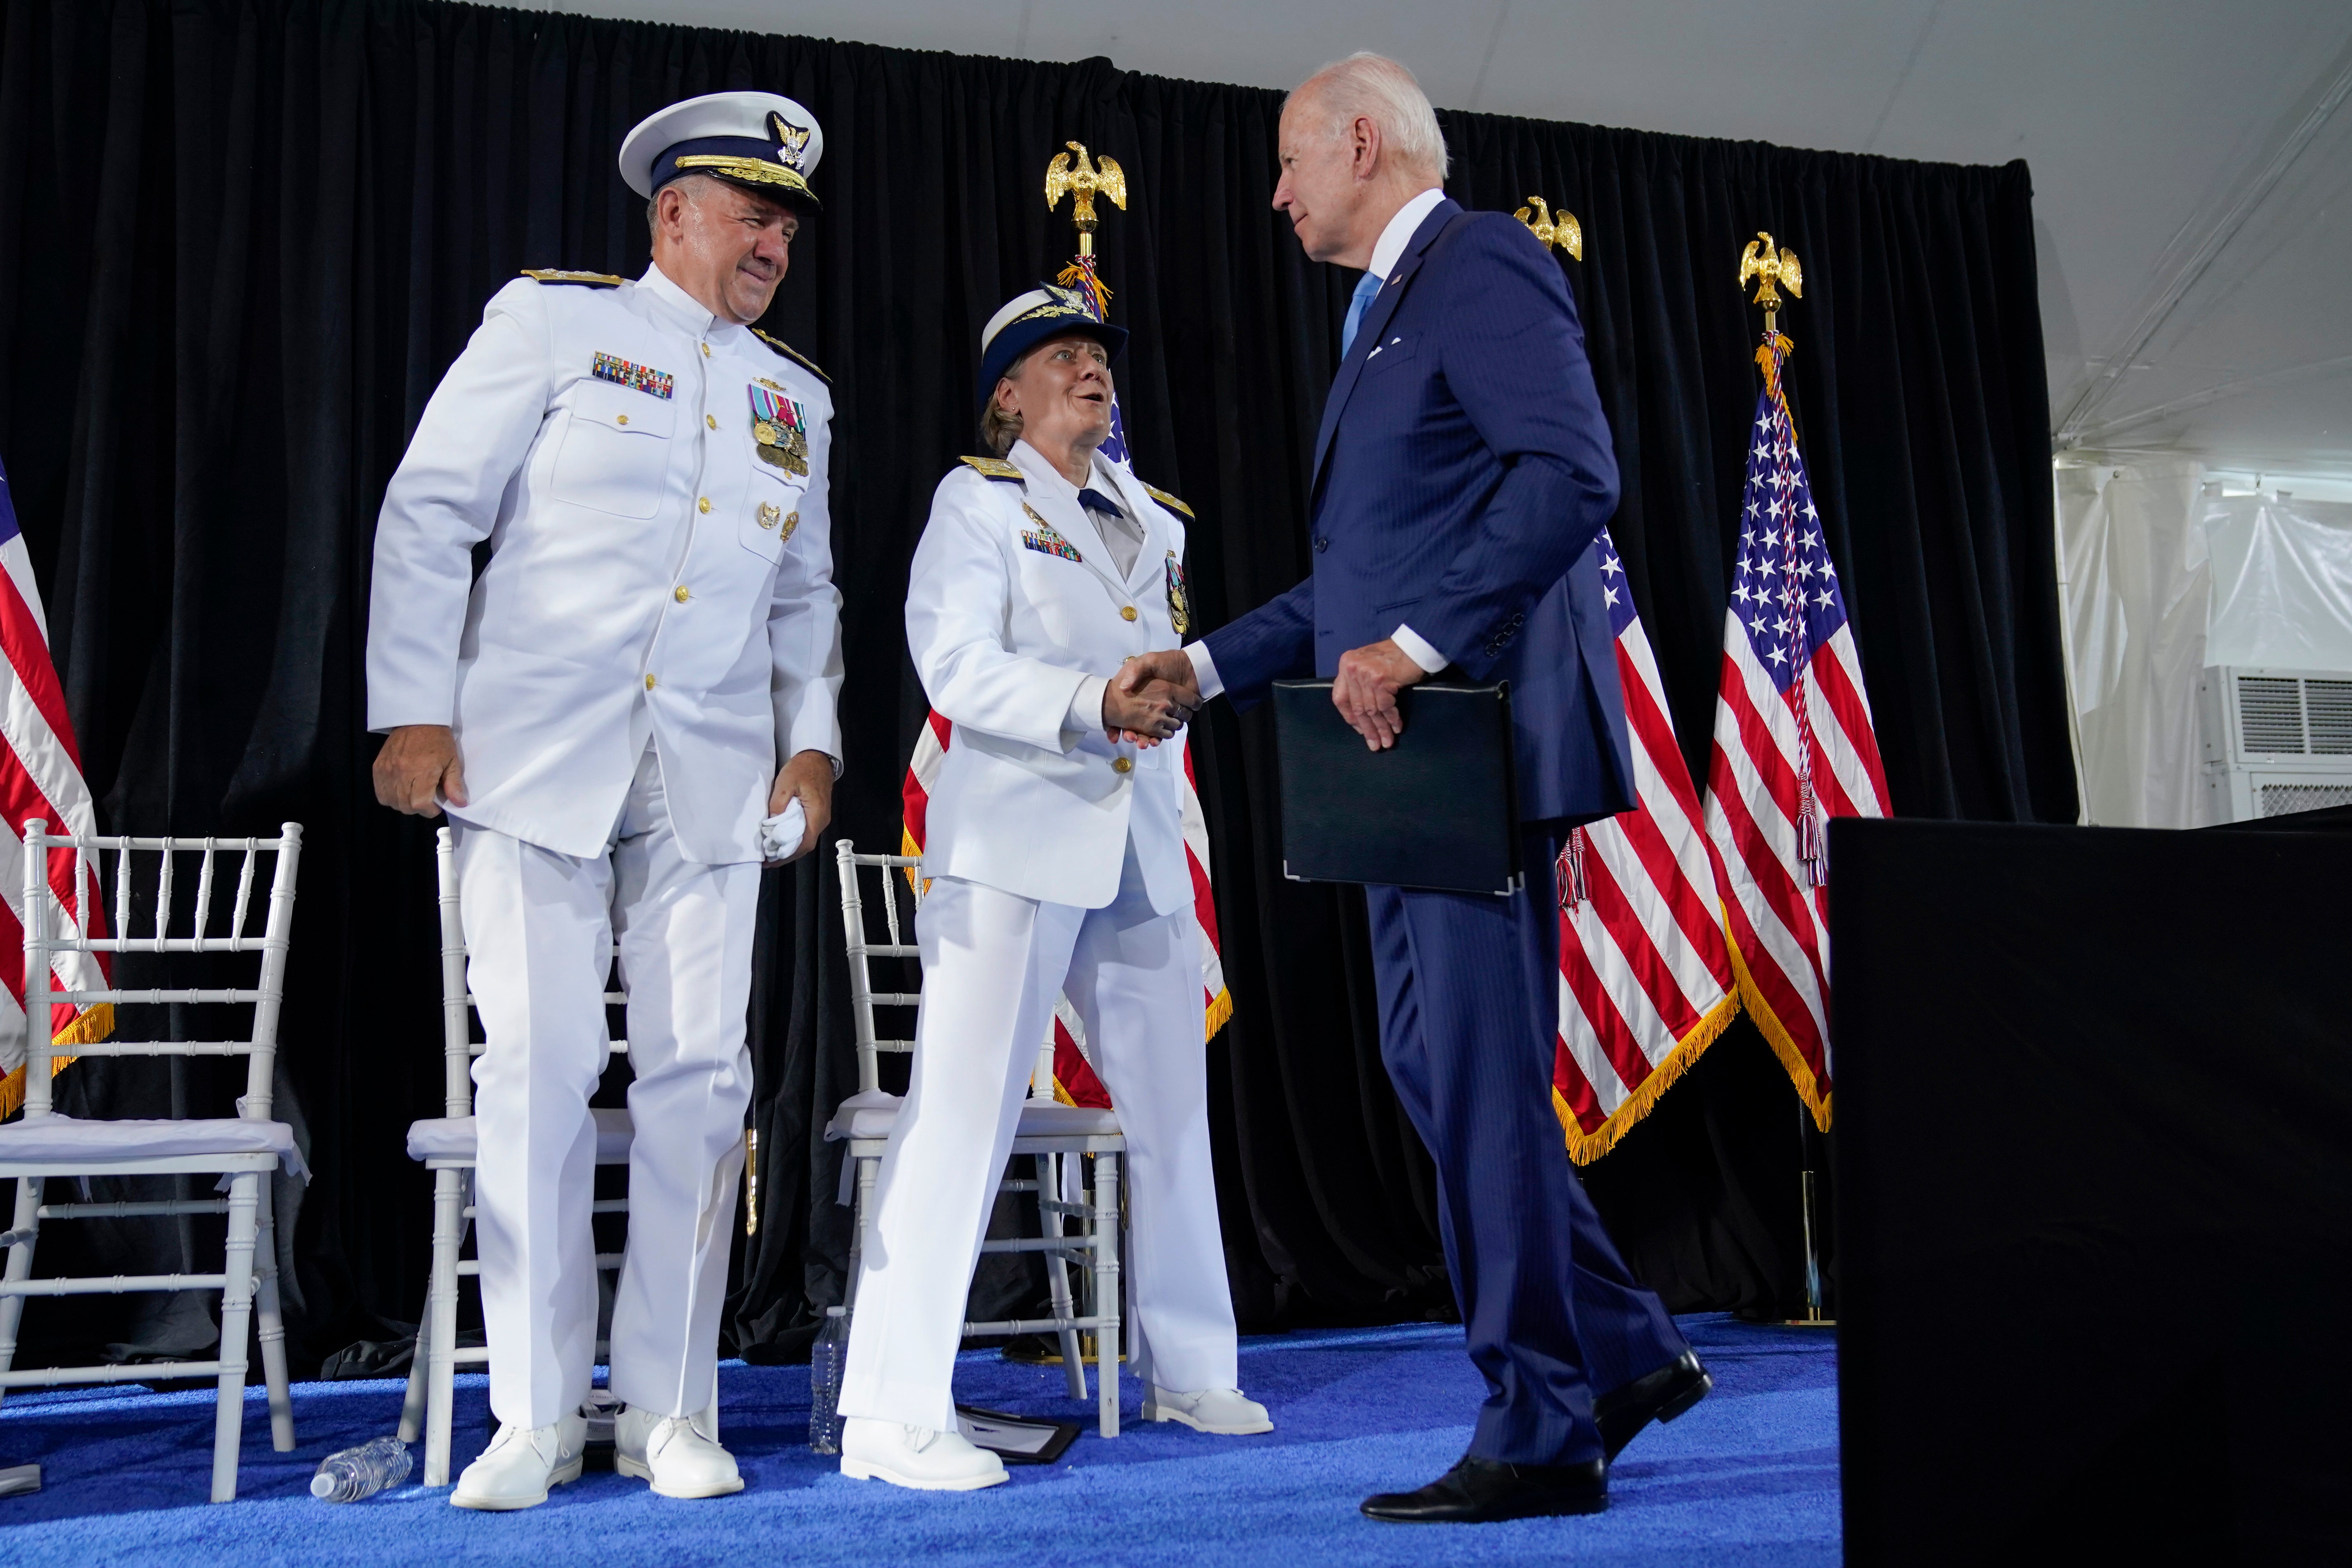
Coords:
pixel 1793 747
pixel 1075 1082
pixel 40 775
pixel 1645 981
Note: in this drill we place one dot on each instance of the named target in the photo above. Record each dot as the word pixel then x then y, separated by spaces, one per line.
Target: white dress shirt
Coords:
pixel 1385 250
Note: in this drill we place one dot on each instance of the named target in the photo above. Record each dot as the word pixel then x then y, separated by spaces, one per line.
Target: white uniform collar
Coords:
pixel 697 318
pixel 1400 230
pixel 1032 463
pixel 1053 489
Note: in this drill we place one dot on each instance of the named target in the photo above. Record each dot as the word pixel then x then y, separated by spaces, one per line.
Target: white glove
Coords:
pixel 781 835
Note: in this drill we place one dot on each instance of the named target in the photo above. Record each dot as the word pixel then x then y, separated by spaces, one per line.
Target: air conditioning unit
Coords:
pixel 2276 740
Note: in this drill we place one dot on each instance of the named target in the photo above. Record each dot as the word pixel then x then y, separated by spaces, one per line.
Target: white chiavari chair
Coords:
pixel 61 966
pixel 1048 1132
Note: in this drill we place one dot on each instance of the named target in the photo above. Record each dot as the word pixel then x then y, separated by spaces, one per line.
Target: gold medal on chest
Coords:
pixel 1180 602
pixel 779 430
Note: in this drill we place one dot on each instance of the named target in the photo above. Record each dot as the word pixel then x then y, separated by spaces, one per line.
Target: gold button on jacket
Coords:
pixel 682 594
pixel 702 504
pixel 1122 764
pixel 1126 612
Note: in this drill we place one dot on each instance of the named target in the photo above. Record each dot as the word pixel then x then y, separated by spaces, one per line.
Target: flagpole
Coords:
pixel 1774 268
pixel 1815 1318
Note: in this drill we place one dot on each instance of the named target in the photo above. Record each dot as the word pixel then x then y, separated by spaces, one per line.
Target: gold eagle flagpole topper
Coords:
pixel 1553 228
pixel 1773 270
pixel 1084 181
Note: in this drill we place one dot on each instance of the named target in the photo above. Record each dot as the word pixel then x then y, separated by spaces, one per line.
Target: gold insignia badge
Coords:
pixel 768 512
pixel 791 523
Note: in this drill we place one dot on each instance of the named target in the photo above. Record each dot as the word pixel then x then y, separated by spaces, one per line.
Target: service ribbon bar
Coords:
pixel 639 377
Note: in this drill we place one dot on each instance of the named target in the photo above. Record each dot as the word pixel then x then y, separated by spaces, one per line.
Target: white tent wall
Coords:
pixel 2166 572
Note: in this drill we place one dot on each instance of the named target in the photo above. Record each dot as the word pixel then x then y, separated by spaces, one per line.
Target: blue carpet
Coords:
pixel 1748 1477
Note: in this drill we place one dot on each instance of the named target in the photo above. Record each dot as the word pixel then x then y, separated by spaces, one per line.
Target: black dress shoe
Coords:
pixel 1477 1490
pixel 1622 1412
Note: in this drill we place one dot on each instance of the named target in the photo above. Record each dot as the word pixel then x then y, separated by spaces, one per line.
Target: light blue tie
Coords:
pixel 1366 287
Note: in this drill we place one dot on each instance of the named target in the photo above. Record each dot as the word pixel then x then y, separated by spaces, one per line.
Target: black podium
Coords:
pixel 2095 1192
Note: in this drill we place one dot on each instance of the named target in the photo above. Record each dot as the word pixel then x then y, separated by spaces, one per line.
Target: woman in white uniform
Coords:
pixel 1057 858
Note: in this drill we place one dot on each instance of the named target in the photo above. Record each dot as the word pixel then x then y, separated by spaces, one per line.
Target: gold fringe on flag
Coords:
pixel 1808 1088
pixel 1221 1012
pixel 90 1026
pixel 1586 1147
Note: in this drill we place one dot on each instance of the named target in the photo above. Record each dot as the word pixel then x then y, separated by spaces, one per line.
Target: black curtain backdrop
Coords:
pixel 240 241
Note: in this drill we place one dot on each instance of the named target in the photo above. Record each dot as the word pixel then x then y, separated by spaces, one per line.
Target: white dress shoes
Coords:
pixel 1224 1411
pixel 522 1463
pixel 671 1453
pixel 915 1457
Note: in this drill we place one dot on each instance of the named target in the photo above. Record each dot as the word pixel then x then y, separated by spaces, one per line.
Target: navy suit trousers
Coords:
pixel 1469 989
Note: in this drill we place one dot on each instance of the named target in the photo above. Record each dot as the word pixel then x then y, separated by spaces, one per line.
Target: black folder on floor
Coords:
pixel 1438 810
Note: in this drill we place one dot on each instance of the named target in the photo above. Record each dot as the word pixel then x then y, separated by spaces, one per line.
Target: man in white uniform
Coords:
pixel 645 669
pixel 1056 860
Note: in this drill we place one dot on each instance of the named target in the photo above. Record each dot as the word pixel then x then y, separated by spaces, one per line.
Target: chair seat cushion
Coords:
pixel 873 1113
pixel 1045 1119
pixel 453 1138
pixel 72 1141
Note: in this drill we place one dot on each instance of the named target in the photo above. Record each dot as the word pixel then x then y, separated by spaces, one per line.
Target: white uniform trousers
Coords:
pixel 537 927
pixel 993 962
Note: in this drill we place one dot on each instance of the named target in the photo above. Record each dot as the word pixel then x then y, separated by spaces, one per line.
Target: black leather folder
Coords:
pixel 1438 810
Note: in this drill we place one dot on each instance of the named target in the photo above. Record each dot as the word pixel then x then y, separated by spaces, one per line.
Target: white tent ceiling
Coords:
pixel 2192 159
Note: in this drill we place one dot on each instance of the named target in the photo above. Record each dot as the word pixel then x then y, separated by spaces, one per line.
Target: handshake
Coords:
pixel 1152 696
pixel 1156 694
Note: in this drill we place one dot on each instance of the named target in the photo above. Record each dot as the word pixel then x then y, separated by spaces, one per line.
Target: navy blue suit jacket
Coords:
pixel 1462 473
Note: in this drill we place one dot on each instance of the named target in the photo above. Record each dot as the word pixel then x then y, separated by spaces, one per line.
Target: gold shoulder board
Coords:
pixel 993 468
pixel 793 353
pixel 556 275
pixel 1164 499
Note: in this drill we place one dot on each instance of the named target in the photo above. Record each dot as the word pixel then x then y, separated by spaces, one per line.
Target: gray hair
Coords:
pixel 693 187
pixel 1379 89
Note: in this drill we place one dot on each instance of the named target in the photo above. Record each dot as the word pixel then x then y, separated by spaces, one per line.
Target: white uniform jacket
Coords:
pixel 650 575
pixel 1012 603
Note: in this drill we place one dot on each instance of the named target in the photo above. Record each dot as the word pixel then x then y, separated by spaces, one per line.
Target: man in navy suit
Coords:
pixel 1462 473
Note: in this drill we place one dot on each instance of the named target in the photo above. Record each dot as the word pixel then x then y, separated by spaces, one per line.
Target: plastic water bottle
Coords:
pixel 825 1361
pixel 362 1471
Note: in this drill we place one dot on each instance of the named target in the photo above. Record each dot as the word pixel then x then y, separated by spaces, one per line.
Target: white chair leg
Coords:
pixel 1106 1289
pixel 20 1267
pixel 438 1333
pixel 273 1325
pixel 1058 1272
pixel 868 1171
pixel 237 1323
pixel 412 1399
